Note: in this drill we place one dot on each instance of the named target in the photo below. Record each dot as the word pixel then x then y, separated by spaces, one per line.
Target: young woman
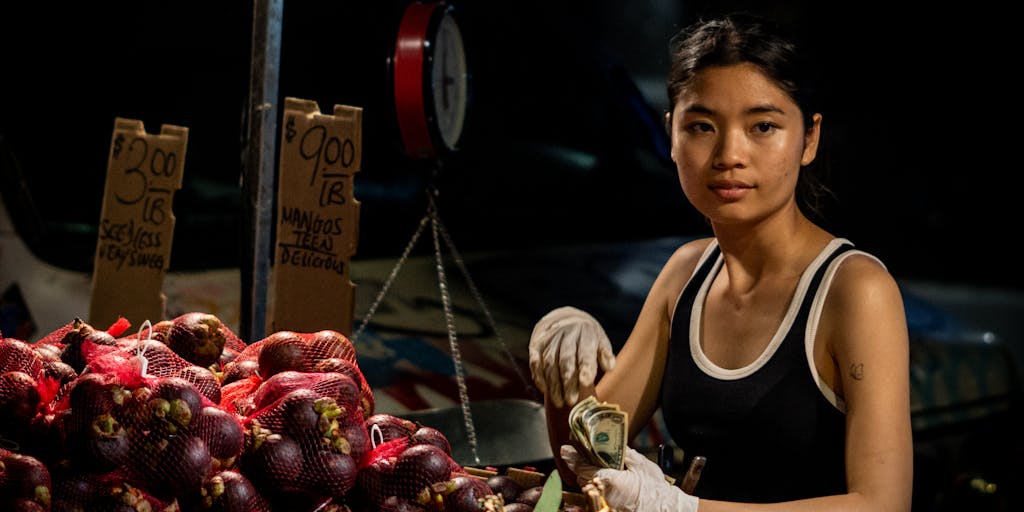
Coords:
pixel 774 349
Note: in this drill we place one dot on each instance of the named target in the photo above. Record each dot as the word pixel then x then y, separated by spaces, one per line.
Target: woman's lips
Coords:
pixel 730 190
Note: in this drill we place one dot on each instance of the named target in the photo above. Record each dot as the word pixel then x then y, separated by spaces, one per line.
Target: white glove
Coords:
pixel 639 487
pixel 566 346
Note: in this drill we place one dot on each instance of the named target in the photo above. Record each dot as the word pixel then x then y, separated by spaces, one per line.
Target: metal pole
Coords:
pixel 258 175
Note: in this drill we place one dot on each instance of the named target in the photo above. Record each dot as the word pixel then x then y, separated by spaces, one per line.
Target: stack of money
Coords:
pixel 601 430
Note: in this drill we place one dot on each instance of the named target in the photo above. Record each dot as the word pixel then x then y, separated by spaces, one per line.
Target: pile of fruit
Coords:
pixel 185 416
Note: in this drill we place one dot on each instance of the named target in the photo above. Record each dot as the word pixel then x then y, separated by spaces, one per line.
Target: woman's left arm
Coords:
pixel 869 342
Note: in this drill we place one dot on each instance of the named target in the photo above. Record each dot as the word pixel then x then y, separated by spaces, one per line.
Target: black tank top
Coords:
pixel 771 431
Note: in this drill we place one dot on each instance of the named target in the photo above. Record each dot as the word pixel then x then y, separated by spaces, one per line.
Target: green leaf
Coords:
pixel 551 497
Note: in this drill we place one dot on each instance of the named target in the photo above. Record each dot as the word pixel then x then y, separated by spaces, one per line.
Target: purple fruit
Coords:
pixel 181 467
pixel 197 338
pixel 92 394
pixel 430 435
pixel 396 504
pixel 420 466
pixel 530 495
pixel 506 486
pixel 72 353
pixel 204 381
pixel 59 371
pixel 279 385
pixel 238 370
pixel 24 477
pixel 358 440
pixel 275 465
pixel 280 352
pixel 465 494
pixel 298 414
pixel 19 402
pixel 391 427
pixel 17 355
pixel 73 491
pixel 101 448
pixel 231 491
pixel 333 473
pixel 185 401
pixel 47 351
pixel 221 432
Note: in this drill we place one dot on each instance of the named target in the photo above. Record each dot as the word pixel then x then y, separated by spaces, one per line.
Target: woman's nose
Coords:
pixel 731 150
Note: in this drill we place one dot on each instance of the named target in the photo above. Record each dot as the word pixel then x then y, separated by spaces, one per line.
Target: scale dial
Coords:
pixel 430 80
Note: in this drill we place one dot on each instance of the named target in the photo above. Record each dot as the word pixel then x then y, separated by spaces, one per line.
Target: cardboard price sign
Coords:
pixel 136 225
pixel 317 218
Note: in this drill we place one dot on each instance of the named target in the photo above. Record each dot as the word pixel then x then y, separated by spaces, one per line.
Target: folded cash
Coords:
pixel 601 430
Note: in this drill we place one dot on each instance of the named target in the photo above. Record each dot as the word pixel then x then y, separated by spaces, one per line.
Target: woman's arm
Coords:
pixel 634 382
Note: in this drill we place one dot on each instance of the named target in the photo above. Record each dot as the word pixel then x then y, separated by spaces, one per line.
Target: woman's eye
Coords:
pixel 764 127
pixel 700 127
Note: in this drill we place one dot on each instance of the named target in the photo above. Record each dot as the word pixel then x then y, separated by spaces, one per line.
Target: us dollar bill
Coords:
pixel 601 430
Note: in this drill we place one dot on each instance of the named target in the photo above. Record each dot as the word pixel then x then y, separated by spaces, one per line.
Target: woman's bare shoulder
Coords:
pixel 861 278
pixel 682 263
pixel 688 254
pixel 864 300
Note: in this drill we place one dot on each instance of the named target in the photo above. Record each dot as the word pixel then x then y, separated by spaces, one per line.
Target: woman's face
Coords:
pixel 738 142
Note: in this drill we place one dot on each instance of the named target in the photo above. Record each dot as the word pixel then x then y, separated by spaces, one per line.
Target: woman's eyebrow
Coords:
pixel 764 108
pixel 697 108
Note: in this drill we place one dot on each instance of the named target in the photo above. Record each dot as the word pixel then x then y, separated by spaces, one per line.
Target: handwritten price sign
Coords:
pixel 318 218
pixel 136 224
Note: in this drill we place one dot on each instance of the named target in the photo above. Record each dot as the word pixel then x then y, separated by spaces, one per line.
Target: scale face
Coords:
pixel 430 80
pixel 448 81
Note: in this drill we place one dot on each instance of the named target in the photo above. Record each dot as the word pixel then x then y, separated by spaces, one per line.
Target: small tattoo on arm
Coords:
pixel 857 371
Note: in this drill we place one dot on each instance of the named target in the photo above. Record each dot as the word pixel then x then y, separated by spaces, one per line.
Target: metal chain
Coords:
pixel 487 312
pixel 391 278
pixel 449 319
pixel 438 230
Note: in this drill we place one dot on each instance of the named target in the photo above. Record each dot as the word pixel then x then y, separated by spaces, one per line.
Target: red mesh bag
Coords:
pixel 133 359
pixel 237 397
pixel 303 444
pixel 351 369
pixel 63 345
pixel 336 385
pixel 196 337
pixel 345 429
pixel 399 468
pixel 24 482
pixel 232 341
pixel 20 401
pixel 288 350
pixel 157 435
pixel 322 351
pixel 16 355
pixel 328 344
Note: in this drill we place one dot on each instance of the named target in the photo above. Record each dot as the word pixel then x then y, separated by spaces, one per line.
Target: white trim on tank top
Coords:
pixel 814 317
pixel 715 371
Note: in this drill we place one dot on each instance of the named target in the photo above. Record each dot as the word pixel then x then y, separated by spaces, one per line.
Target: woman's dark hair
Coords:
pixel 747 38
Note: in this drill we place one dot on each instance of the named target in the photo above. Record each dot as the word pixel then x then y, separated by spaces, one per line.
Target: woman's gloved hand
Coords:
pixel 639 487
pixel 566 347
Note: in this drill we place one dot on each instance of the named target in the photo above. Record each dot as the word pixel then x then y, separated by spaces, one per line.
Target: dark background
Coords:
pixel 564 142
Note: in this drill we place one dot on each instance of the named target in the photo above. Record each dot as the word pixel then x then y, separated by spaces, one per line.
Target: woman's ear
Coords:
pixel 811 138
pixel 668 123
